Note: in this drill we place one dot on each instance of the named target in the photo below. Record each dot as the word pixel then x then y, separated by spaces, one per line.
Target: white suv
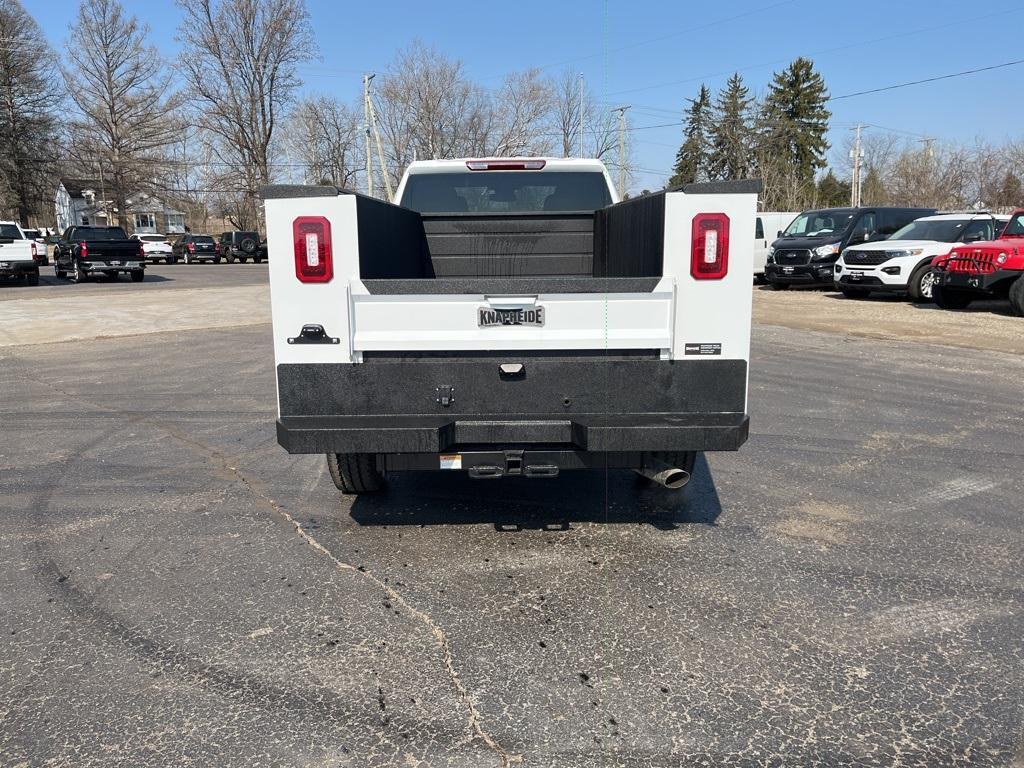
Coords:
pixel 155 247
pixel 902 264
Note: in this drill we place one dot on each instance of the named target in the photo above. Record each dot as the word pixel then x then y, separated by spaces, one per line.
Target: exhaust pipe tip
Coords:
pixel 657 471
pixel 675 479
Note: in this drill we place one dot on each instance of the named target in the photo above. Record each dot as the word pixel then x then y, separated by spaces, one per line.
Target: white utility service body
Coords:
pixel 506 318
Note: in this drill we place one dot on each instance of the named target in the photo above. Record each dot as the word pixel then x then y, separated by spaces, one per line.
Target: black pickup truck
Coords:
pixel 86 251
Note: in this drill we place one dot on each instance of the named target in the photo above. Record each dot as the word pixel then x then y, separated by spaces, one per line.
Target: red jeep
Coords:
pixel 984 270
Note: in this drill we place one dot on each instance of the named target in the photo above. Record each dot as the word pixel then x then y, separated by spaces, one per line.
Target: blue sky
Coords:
pixel 653 55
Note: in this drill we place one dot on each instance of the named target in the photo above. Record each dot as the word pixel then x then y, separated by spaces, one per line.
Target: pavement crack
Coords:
pixel 475 719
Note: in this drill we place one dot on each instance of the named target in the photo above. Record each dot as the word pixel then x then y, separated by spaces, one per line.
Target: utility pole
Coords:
pixel 380 149
pixel 622 148
pixel 366 132
pixel 856 154
pixel 581 115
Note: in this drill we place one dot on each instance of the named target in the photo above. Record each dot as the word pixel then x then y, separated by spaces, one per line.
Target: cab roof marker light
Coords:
pixel 505 165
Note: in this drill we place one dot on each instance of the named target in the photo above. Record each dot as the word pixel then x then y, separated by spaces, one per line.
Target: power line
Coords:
pixel 928 80
pixel 823 52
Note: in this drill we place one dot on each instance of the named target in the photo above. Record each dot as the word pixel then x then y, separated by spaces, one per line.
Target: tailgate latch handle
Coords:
pixel 313 334
pixel 512 369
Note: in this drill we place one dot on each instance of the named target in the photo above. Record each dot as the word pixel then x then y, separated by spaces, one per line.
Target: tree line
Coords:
pixel 229 115
pixel 781 139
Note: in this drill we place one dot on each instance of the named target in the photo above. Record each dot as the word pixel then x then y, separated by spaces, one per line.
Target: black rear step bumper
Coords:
pixel 600 402
pixel 592 433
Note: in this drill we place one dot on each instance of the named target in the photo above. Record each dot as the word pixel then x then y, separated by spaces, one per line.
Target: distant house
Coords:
pixel 80 201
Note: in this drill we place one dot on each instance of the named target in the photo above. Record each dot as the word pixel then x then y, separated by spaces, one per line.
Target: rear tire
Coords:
pixel 779 286
pixel 922 281
pixel 1017 296
pixel 855 293
pixel 138 276
pixel 216 259
pixel 78 274
pixel 61 273
pixel 950 298
pixel 32 279
pixel 355 472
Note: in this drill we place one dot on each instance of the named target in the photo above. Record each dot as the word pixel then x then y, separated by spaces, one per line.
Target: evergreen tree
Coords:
pixel 692 158
pixel 731 134
pixel 796 119
pixel 833 193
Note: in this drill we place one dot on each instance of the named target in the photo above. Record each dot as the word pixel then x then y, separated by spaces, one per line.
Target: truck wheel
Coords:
pixel 78 274
pixel 137 276
pixel 355 472
pixel 1017 296
pixel 950 298
pixel 855 293
pixel 922 280
pixel 216 259
pixel 779 286
pixel 33 279
pixel 61 273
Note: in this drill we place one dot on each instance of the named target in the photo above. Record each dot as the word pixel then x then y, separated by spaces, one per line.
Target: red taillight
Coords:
pixel 191 247
pixel 313 258
pixel 505 165
pixel 83 251
pixel 709 256
pixel 142 251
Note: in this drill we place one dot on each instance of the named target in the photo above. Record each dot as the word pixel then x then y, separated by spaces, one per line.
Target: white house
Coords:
pixel 81 202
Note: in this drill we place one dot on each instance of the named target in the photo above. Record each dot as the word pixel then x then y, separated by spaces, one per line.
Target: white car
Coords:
pixel 902 264
pixel 769 226
pixel 156 247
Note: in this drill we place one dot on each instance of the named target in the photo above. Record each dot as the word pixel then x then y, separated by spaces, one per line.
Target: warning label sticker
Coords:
pixel 451 461
pixel 712 348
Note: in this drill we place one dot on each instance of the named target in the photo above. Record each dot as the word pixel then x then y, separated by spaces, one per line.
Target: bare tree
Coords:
pixel 122 90
pixel 28 123
pixel 600 130
pixel 520 109
pixel 324 136
pixel 240 60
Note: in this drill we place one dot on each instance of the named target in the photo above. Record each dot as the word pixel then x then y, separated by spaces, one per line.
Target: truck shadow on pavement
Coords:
pixel 517 504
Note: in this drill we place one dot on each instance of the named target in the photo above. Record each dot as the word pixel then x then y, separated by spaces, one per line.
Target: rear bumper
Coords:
pixel 590 404
pixel 17 268
pixel 594 433
pixel 106 266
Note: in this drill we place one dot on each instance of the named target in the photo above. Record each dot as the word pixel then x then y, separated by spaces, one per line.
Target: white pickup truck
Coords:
pixel 509 316
pixel 19 254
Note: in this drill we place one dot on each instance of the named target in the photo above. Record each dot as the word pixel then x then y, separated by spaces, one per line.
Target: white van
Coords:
pixel 766 229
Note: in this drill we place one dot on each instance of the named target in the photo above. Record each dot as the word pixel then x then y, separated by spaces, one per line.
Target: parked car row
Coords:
pixel 83 252
pixel 192 248
pixel 949 258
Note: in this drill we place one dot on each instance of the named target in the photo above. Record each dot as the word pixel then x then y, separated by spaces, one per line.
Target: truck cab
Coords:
pixel 980 270
pixel 510 317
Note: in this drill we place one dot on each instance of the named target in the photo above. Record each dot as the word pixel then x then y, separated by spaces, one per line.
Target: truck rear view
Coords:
pixel 510 317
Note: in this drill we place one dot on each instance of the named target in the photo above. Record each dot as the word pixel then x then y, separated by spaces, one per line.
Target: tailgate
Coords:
pixel 521 321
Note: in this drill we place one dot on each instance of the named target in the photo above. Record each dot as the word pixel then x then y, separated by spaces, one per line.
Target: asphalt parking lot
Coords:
pixel 845 590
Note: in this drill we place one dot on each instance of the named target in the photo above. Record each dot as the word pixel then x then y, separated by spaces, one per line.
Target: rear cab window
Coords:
pixel 99 234
pixel 10 232
pixel 506 192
